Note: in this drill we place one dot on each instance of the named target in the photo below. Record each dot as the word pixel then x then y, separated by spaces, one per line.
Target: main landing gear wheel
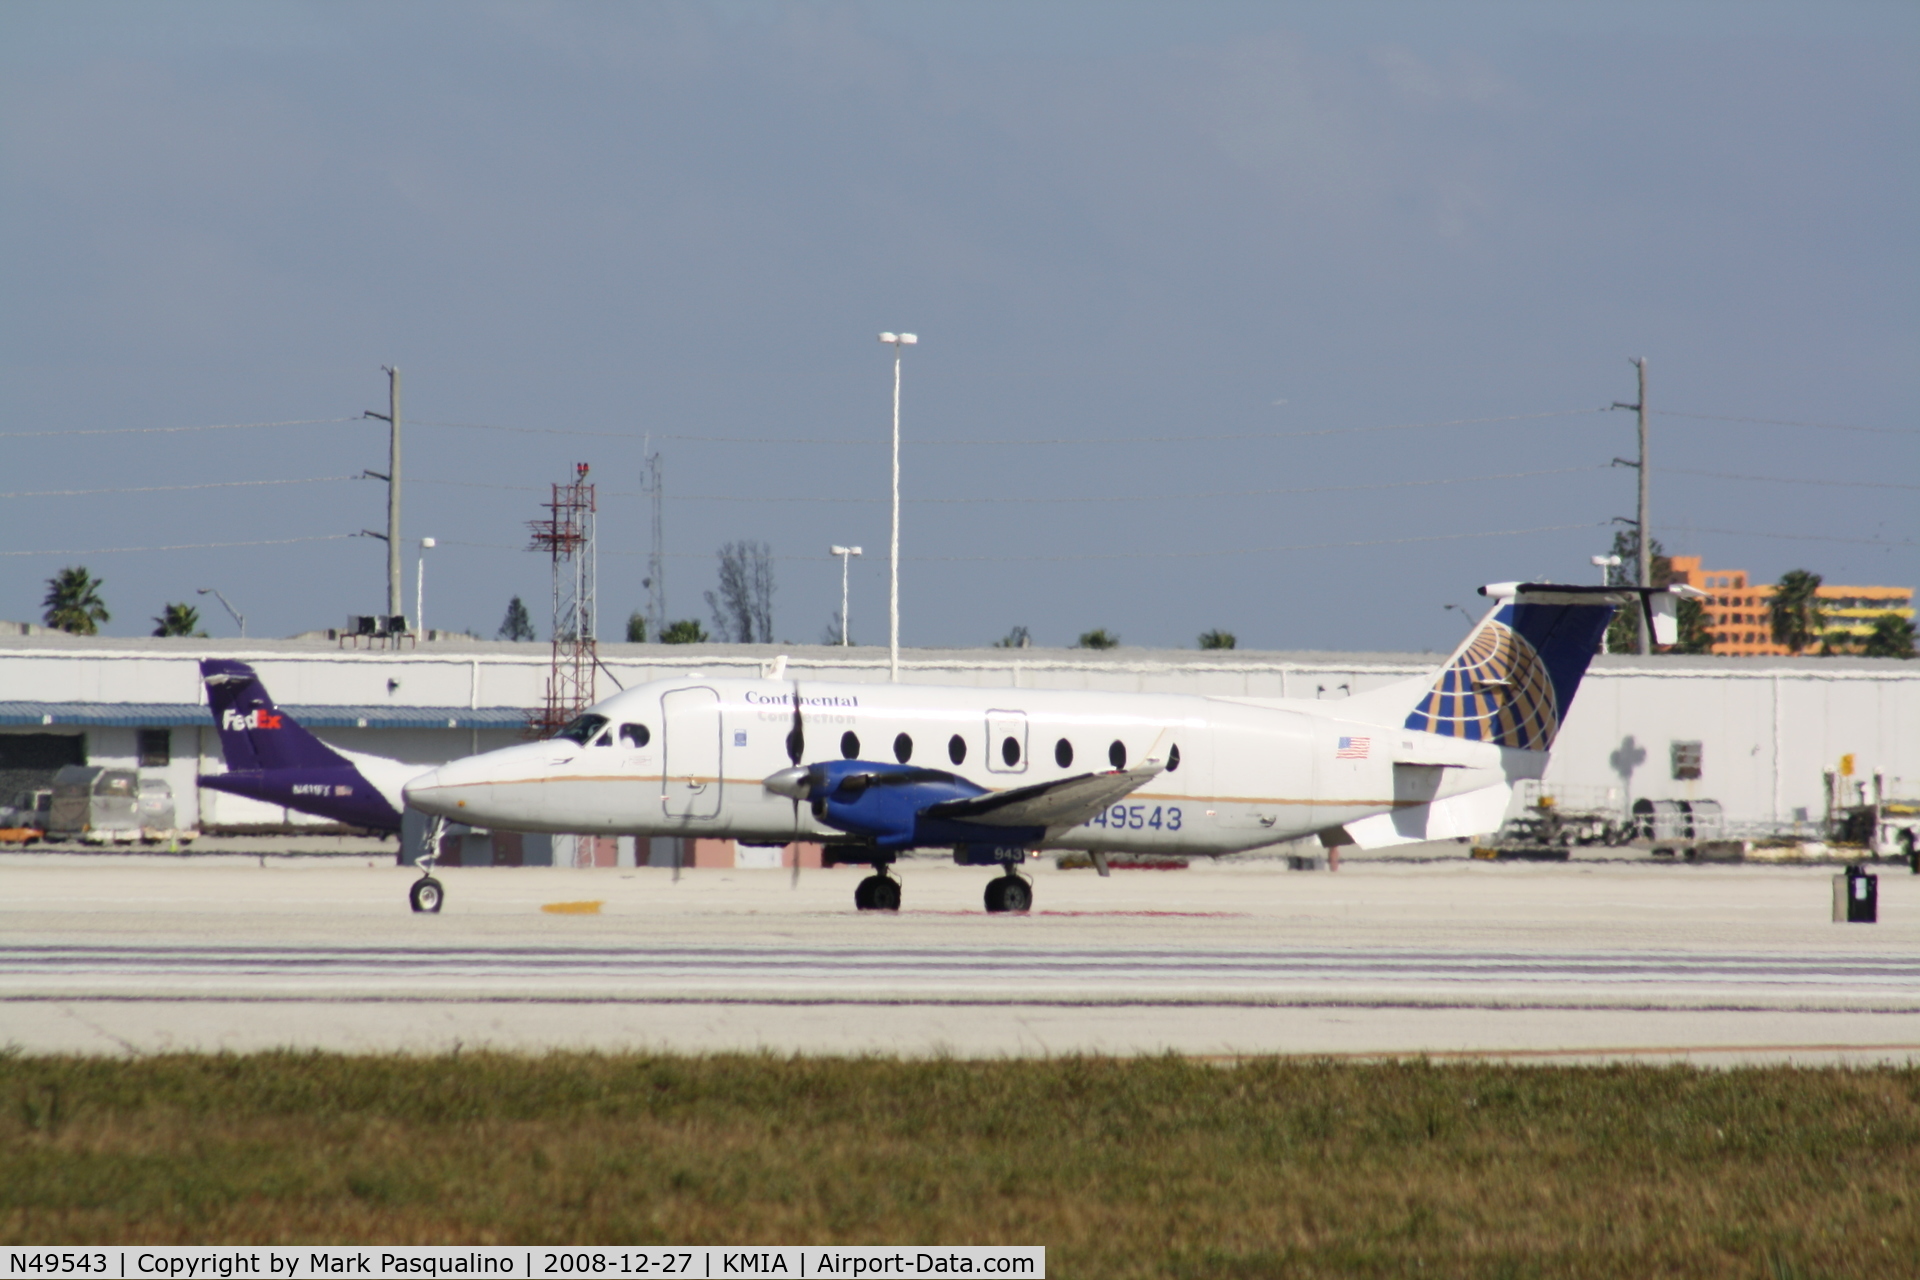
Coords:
pixel 426 895
pixel 877 893
pixel 1009 893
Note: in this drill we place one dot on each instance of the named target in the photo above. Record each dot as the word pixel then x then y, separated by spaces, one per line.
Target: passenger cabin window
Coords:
pixel 849 744
pixel 1117 754
pixel 1063 753
pixel 1010 751
pixel 1173 758
pixel 957 749
pixel 635 735
pixel 583 729
pixel 903 748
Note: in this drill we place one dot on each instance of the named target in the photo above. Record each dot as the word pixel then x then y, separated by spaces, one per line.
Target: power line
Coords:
pixel 186 546
pixel 168 488
pixel 1847 484
pixel 1054 500
pixel 1784 422
pixel 1064 440
pixel 1800 537
pixel 138 431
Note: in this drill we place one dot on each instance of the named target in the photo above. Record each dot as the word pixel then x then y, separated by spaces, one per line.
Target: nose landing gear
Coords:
pixel 427 894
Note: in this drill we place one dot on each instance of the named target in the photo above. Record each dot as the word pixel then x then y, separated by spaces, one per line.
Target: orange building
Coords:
pixel 1737 609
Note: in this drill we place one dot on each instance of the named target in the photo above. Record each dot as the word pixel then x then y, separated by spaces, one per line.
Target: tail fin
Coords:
pixel 254 734
pixel 1512 681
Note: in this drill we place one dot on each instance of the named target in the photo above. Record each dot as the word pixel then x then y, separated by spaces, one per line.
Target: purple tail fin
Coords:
pixel 254 734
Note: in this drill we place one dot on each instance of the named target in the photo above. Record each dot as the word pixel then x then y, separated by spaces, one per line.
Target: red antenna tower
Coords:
pixel 566 534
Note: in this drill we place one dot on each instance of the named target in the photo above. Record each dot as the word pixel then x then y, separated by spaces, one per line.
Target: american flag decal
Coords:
pixel 1352 749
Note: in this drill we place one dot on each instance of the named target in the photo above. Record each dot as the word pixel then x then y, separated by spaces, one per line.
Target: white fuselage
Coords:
pixel 1250 771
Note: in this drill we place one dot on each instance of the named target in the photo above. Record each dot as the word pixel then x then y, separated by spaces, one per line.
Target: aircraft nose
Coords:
pixel 793 782
pixel 426 792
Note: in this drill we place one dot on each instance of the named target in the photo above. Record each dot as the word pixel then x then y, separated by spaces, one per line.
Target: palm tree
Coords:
pixel 178 620
pixel 1795 614
pixel 73 602
pixel 1891 637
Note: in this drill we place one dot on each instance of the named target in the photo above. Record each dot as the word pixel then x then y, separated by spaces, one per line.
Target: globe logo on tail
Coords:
pixel 1496 691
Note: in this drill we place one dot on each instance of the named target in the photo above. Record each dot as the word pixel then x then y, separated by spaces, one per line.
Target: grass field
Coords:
pixel 1122 1167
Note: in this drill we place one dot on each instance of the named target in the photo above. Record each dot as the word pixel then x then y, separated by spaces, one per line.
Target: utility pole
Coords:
pixel 1645 566
pixel 656 579
pixel 896 341
pixel 396 587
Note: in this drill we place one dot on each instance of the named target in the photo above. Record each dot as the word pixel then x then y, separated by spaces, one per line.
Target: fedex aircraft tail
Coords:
pixel 271 757
pixel 255 734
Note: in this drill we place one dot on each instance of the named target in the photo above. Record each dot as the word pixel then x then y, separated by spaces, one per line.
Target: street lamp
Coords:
pixel 896 341
pixel 237 616
pixel 1606 565
pixel 420 588
pixel 843 553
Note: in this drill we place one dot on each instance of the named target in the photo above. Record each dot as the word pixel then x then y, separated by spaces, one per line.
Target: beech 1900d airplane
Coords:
pixel 872 770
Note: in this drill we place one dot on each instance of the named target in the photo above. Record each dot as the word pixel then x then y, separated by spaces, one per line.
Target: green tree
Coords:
pixel 1794 613
pixel 1217 640
pixel 1623 633
pixel 743 609
pixel 1018 638
pixel 685 631
pixel 178 620
pixel 516 625
pixel 636 627
pixel 1892 637
pixel 73 602
pixel 1098 638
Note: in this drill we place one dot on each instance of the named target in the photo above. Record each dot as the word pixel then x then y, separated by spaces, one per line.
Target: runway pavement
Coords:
pixel 1588 961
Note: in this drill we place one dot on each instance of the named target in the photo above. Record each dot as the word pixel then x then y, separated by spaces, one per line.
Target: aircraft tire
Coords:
pixel 886 894
pixel 1009 893
pixel 863 893
pixel 426 895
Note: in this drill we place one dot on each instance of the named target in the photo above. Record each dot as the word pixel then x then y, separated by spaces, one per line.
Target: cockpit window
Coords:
pixel 635 735
pixel 583 728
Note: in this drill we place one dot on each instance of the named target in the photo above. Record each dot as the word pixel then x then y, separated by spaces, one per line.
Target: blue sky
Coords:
pixel 1182 274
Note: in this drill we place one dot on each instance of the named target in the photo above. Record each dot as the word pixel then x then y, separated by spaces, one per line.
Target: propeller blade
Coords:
pixel 796 748
pixel 797 735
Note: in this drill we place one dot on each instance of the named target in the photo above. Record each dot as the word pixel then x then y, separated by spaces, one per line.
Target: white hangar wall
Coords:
pixel 1767 726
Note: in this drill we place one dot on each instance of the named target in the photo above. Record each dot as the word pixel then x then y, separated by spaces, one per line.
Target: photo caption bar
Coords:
pixel 514 1262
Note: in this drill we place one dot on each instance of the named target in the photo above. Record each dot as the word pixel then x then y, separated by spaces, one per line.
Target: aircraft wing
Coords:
pixel 1067 802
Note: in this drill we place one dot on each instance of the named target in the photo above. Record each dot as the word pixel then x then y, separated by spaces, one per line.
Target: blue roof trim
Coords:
pixel 154 715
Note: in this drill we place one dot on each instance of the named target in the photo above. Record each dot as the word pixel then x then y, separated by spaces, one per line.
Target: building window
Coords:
pixel 156 748
pixel 1686 761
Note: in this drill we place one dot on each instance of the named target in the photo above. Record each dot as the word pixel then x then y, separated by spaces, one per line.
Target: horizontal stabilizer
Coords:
pixel 1067 802
pixel 1476 813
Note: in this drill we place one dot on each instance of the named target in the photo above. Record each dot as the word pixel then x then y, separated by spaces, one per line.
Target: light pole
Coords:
pixel 420 587
pixel 1606 565
pixel 897 341
pixel 237 615
pixel 843 553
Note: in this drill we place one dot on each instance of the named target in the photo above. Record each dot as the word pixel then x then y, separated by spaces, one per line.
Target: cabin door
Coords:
pixel 691 782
